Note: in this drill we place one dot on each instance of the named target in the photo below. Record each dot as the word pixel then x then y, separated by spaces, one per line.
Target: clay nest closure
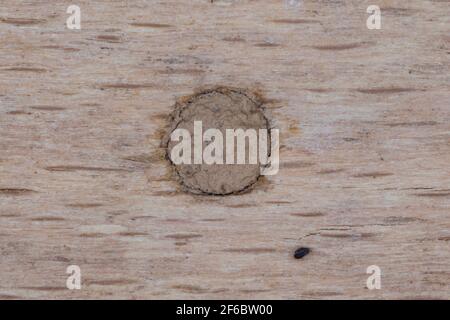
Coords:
pixel 218 108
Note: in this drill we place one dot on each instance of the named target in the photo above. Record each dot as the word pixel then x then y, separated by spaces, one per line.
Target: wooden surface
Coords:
pixel 364 122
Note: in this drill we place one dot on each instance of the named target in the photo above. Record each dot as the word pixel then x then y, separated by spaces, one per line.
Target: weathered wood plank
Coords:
pixel 364 122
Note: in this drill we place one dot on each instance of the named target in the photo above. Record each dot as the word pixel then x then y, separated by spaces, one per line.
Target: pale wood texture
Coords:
pixel 364 119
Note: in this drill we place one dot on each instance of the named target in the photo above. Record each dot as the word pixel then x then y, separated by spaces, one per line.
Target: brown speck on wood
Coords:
pixel 25 69
pixel 109 38
pixel 22 21
pixel 127 86
pixel 150 25
pixel 339 47
pixel 294 21
pixel 388 90
pixel 375 174
pixel 15 191
pixel 250 250
pixel 82 168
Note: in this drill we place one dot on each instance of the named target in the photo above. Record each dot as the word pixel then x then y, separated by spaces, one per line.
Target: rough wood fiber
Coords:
pixel 364 122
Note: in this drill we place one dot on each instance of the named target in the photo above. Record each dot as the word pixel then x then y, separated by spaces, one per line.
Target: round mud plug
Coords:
pixel 218 109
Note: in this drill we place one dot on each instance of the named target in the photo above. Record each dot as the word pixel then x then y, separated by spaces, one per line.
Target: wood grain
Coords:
pixel 364 122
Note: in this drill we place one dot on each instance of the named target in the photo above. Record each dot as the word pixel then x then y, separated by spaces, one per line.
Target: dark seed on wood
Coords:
pixel 301 252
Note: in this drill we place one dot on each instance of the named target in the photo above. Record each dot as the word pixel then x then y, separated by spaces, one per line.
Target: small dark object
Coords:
pixel 301 252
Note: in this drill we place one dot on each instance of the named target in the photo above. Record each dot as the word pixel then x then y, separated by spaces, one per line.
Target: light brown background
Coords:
pixel 364 120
